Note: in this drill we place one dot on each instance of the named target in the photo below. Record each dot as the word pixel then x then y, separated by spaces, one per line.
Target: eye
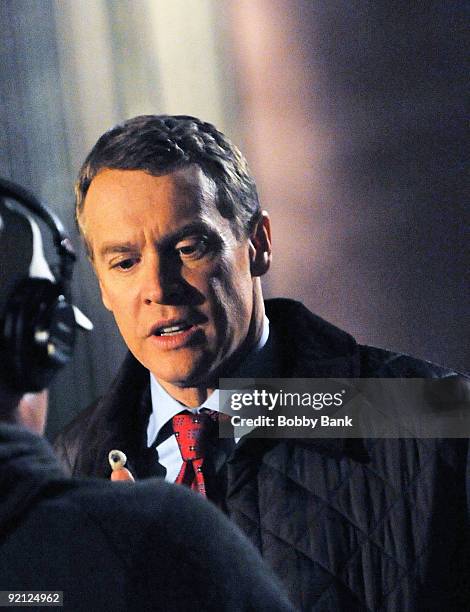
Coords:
pixel 192 248
pixel 124 264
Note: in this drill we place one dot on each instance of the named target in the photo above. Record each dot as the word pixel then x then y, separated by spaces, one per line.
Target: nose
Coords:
pixel 160 283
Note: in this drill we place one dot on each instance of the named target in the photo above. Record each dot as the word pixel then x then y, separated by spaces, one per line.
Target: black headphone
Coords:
pixel 38 327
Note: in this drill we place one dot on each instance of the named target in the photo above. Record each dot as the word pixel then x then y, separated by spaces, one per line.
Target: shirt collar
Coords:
pixel 165 407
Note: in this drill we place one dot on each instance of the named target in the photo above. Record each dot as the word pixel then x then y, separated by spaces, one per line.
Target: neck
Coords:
pixel 192 397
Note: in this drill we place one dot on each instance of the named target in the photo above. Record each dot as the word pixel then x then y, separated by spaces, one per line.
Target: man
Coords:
pixel 173 227
pixel 115 546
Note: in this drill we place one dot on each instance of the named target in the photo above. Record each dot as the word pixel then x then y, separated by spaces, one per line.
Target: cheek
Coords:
pixel 118 296
pixel 122 304
pixel 231 294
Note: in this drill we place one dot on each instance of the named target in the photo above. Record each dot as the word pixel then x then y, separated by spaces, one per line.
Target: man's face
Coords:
pixel 171 271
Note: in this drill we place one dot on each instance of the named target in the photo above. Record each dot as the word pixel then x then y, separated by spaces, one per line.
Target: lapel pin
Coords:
pixel 117 460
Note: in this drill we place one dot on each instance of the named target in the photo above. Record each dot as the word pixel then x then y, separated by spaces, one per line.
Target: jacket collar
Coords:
pixel 118 421
pixel 308 346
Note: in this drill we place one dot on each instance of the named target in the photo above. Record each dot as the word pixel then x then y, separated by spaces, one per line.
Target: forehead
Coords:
pixel 124 201
pixel 184 191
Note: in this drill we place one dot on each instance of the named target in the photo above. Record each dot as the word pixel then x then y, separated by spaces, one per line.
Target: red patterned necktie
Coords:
pixel 191 434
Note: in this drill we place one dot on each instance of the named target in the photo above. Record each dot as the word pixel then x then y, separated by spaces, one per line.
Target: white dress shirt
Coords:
pixel 165 407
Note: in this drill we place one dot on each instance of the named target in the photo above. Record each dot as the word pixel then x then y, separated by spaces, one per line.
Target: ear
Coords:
pixel 260 246
pixel 104 296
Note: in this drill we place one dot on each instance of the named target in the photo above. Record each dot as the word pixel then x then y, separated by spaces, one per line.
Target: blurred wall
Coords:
pixel 34 149
pixel 349 116
pixel 70 70
pixel 354 124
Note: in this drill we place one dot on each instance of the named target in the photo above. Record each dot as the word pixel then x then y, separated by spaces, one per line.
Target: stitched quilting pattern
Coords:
pixel 341 525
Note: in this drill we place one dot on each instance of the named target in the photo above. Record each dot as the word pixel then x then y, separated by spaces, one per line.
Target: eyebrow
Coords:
pixel 195 227
pixel 110 248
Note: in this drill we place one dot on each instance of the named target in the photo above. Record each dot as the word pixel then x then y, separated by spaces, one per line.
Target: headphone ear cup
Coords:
pixel 38 334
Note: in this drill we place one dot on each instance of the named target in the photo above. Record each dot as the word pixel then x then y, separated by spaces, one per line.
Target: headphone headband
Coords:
pixel 37 331
pixel 62 242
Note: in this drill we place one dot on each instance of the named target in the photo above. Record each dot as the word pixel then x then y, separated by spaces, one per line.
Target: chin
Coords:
pixel 181 374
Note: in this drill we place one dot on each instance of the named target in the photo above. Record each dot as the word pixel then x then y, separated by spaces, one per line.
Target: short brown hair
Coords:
pixel 161 144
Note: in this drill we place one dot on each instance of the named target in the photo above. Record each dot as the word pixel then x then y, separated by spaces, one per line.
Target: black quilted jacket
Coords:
pixel 347 524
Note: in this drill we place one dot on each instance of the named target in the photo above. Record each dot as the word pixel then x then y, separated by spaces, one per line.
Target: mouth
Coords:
pixel 171 330
pixel 175 333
